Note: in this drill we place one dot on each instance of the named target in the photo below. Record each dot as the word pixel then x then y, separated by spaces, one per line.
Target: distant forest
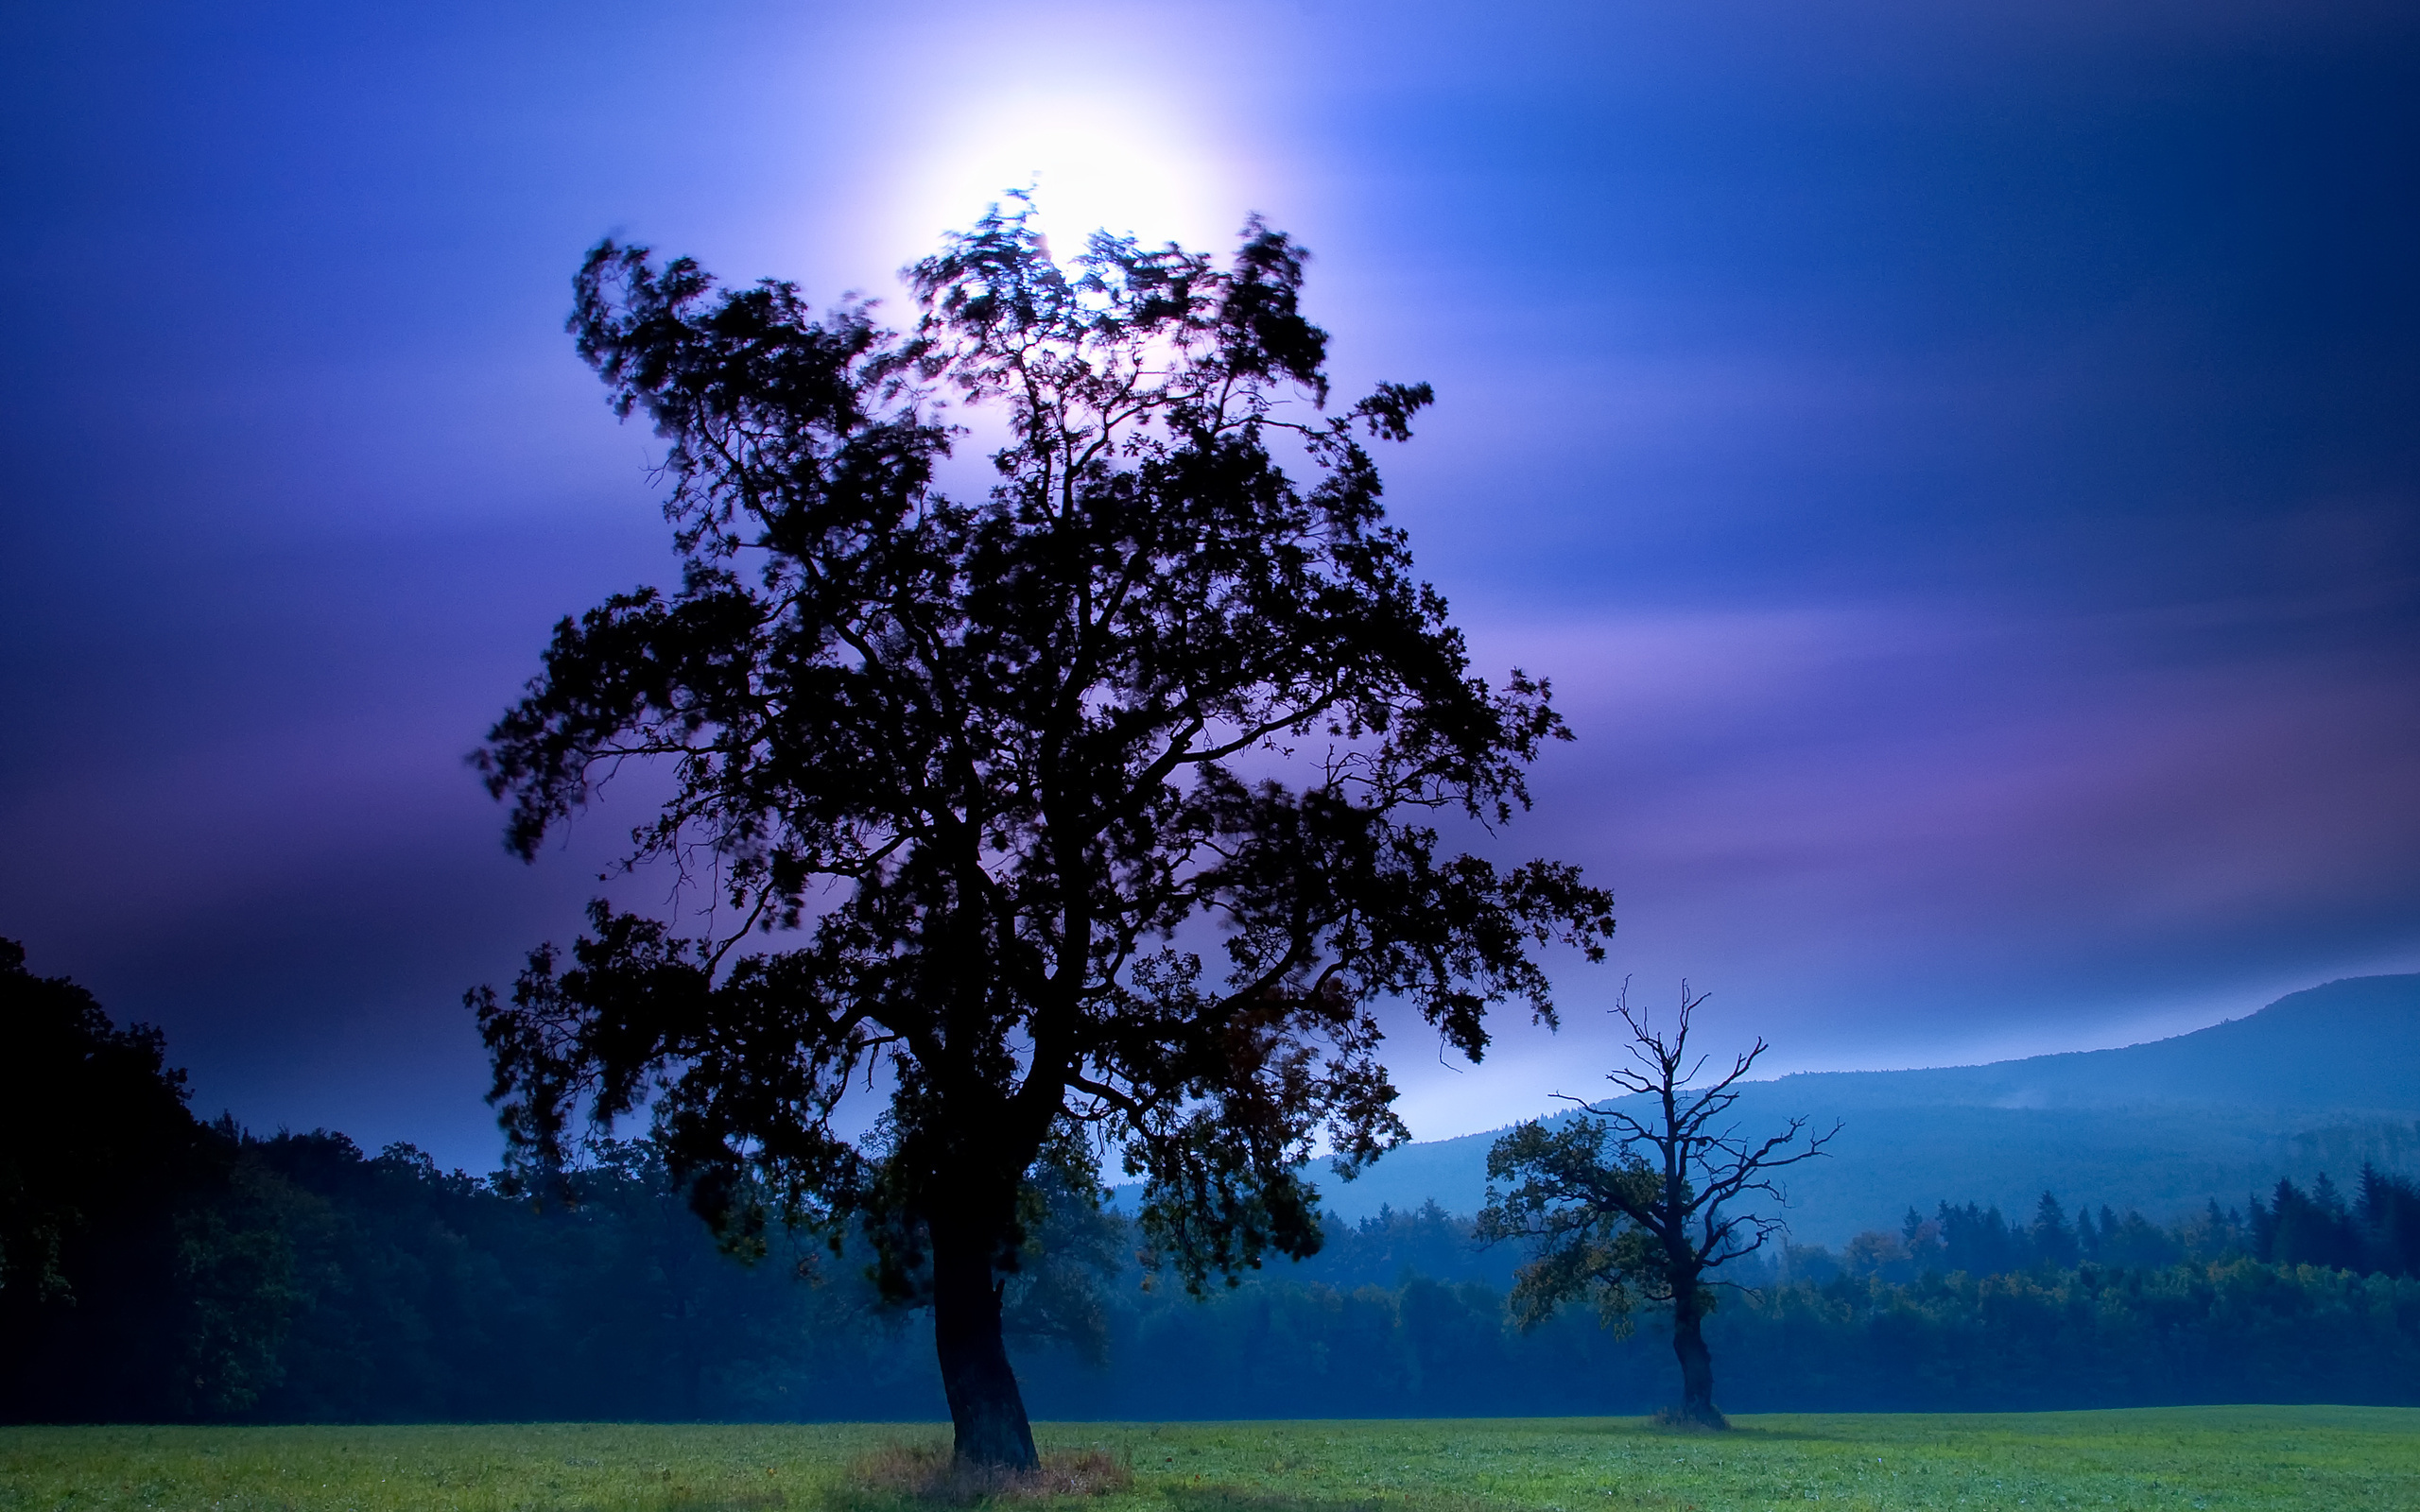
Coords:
pixel 156 1268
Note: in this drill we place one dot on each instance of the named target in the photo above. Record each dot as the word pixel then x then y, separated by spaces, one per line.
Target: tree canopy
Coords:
pixel 98 1158
pixel 967 788
pixel 95 1120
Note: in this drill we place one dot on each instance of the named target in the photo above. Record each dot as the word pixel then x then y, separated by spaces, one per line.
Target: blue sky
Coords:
pixel 1962 470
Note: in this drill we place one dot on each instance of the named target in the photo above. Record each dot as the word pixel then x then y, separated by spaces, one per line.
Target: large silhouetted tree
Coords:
pixel 1654 1212
pixel 985 776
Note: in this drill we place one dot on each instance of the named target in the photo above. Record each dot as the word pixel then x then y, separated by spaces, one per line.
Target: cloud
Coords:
pixel 1954 461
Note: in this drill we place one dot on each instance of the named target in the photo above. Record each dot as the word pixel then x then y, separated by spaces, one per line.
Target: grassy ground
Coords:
pixel 2336 1459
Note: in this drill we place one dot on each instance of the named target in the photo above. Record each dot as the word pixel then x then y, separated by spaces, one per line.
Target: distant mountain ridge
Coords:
pixel 2318 1080
pixel 2351 1044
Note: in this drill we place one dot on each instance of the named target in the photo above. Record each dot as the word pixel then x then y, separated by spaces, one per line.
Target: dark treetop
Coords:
pixel 981 772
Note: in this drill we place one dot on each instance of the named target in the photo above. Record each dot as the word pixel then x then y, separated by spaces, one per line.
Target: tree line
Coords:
pixel 2375 1232
pixel 159 1268
pixel 155 1267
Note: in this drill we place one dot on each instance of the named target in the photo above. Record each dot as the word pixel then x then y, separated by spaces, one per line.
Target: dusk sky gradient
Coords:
pixel 1959 466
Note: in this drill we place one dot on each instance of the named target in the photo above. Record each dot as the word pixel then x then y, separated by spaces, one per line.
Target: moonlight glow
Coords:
pixel 1092 161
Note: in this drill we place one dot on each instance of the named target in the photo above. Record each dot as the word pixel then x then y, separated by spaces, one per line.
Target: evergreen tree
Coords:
pixel 2053 1243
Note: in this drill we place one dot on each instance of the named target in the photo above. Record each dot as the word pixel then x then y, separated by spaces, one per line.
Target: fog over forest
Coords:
pixel 230 1275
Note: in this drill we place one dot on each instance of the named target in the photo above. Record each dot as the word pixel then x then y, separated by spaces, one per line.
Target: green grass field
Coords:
pixel 2331 1458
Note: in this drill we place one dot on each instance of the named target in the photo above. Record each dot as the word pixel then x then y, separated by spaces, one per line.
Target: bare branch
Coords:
pixel 1655 1211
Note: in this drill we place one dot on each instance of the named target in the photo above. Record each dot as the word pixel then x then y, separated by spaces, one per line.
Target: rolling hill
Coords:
pixel 2318 1080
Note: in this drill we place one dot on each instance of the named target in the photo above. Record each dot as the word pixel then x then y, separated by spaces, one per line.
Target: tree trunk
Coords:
pixel 985 1407
pixel 1697 1362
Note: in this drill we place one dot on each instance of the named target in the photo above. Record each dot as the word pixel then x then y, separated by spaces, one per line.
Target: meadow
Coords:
pixel 2329 1459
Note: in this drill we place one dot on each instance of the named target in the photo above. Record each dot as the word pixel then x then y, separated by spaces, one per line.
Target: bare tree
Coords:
pixel 1622 1202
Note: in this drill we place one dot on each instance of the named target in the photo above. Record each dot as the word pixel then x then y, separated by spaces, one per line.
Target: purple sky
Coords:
pixel 1962 471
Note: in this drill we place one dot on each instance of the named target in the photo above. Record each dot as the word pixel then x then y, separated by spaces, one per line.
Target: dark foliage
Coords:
pixel 396 1293
pixel 415 1295
pixel 2378 1232
pixel 296 1278
pixel 100 1168
pixel 978 768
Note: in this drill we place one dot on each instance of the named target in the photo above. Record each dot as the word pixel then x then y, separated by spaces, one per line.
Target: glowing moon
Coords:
pixel 1094 162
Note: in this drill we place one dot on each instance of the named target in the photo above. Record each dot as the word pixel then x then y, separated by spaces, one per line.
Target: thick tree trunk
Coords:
pixel 1697 1362
pixel 985 1407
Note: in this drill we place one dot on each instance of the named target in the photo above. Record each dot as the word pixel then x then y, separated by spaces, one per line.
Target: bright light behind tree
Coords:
pixel 1094 161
